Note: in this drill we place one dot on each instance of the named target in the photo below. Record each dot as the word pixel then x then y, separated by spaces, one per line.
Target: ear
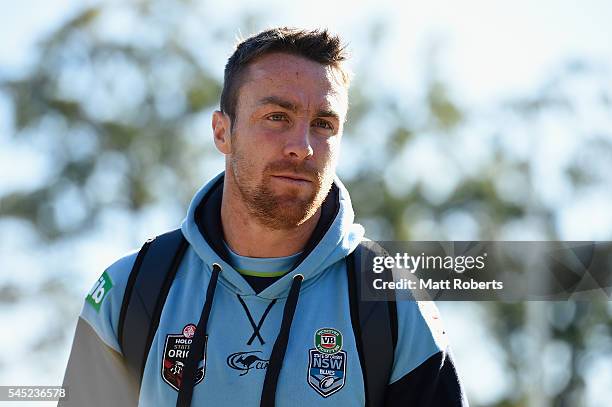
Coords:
pixel 221 132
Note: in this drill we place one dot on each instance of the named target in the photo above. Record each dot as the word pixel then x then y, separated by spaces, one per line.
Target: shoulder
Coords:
pixel 421 334
pixel 418 321
pixel 102 304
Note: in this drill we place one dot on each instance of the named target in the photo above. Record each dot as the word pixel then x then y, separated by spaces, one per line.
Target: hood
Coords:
pixel 334 237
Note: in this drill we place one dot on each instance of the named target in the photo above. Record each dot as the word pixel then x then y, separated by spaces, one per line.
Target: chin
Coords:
pixel 290 213
pixel 304 192
pixel 285 207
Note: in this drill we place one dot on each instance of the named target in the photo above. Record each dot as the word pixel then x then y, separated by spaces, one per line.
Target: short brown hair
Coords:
pixel 317 45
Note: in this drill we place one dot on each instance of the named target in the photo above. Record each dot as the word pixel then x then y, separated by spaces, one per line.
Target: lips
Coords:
pixel 292 177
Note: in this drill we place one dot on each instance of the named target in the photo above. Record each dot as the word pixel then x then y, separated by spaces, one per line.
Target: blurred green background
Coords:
pixel 478 121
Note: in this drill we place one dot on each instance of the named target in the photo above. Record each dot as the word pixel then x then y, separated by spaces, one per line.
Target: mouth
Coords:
pixel 292 178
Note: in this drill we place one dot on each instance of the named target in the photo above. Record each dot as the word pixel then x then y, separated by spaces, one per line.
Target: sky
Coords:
pixel 493 46
pixel 491 50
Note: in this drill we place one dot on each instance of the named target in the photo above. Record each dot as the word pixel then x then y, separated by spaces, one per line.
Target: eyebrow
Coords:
pixel 285 104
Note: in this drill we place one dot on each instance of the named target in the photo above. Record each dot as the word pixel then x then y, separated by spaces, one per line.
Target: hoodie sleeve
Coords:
pixel 96 374
pixel 423 370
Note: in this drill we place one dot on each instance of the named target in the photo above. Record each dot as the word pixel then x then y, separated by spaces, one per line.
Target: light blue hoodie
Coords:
pixel 321 365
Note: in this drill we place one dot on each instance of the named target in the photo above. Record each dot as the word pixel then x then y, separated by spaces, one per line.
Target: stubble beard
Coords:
pixel 279 211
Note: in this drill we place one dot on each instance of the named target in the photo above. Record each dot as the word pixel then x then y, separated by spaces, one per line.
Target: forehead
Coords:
pixel 306 83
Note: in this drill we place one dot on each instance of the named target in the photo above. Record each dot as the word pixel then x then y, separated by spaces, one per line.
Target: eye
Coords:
pixel 277 117
pixel 324 124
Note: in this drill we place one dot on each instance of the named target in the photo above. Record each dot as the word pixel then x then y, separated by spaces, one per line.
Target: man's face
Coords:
pixel 285 138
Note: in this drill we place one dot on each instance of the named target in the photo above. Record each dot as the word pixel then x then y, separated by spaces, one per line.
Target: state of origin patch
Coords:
pixel 176 351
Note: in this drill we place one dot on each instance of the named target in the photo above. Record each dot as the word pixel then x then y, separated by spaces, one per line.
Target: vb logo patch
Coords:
pixel 176 351
pixel 99 291
pixel 327 362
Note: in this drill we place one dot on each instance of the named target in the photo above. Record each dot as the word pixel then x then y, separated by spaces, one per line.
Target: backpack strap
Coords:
pixel 375 327
pixel 145 295
pixel 374 322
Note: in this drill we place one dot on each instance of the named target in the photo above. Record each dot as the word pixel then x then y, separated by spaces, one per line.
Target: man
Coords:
pixel 259 311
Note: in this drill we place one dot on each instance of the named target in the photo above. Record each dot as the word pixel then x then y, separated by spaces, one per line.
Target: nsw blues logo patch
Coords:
pixel 327 362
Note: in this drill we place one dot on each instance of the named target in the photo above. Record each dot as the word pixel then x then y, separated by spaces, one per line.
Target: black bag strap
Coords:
pixel 374 322
pixel 145 295
pixel 375 327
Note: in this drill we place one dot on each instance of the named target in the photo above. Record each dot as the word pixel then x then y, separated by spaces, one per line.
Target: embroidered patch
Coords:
pixel 176 350
pixel 328 340
pixel 99 291
pixel 327 362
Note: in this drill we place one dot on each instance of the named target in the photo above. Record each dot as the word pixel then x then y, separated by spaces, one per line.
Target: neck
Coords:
pixel 247 237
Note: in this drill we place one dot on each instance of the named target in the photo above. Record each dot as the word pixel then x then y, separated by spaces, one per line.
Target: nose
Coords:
pixel 297 143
